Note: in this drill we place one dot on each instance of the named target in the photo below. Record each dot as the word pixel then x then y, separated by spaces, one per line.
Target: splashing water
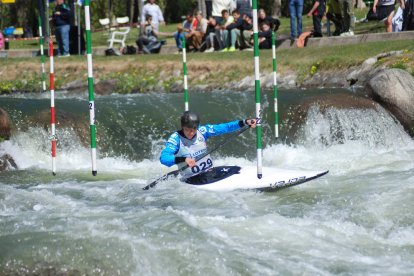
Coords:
pixel 356 220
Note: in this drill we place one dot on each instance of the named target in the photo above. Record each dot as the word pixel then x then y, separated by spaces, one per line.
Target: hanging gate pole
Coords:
pixel 52 106
pixel 186 105
pixel 42 55
pixel 90 86
pixel 275 96
pixel 257 91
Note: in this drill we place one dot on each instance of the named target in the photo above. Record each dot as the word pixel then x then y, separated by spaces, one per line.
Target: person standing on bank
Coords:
pixel 185 145
pixel 385 11
pixel 154 10
pixel 317 12
pixel 295 10
pixel 61 19
pixel 347 13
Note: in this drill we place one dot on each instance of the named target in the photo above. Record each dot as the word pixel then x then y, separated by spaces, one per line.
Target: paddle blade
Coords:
pixel 165 177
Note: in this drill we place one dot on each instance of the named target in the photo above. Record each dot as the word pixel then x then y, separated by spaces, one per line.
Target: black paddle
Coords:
pixel 175 173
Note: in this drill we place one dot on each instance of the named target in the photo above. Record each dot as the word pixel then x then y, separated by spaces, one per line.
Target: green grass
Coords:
pixel 136 73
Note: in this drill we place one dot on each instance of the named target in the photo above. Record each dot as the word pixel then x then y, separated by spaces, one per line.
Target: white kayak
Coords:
pixel 245 178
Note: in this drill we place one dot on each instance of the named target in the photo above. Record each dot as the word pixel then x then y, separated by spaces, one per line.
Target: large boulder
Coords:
pixel 297 116
pixel 64 120
pixel 394 89
pixel 7 162
pixel 5 125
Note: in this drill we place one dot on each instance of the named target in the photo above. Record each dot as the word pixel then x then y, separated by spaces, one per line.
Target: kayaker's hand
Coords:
pixel 250 122
pixel 190 162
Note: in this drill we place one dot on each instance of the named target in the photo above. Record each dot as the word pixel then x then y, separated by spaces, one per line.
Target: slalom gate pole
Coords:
pixel 52 106
pixel 186 105
pixel 42 54
pixel 90 86
pixel 276 114
pixel 257 90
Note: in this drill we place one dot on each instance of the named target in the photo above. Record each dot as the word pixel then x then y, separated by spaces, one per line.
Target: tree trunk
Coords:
pixel 204 9
pixel 140 6
pixel 360 4
pixel 41 13
pixel 46 31
pixel 110 9
pixel 277 8
pixel 130 10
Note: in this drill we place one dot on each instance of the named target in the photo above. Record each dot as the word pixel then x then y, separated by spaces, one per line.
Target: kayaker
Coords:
pixel 185 145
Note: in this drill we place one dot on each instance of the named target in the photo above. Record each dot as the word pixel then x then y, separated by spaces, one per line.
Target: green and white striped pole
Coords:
pixel 90 86
pixel 186 105
pixel 276 114
pixel 42 55
pixel 257 90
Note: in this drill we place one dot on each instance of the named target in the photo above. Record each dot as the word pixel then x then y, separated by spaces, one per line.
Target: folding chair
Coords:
pixel 105 22
pixel 120 35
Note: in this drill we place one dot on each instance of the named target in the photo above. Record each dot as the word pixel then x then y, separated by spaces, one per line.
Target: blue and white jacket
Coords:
pixel 178 147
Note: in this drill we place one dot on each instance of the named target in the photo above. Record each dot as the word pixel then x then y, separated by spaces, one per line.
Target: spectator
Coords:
pixel 221 29
pixel 149 36
pixel 234 30
pixel 154 10
pixel 334 14
pixel 397 20
pixel 274 22
pixel 408 16
pixel 195 36
pixel 317 12
pixel 347 13
pixel 244 7
pixel 265 36
pixel 246 39
pixel 211 34
pixel 385 10
pixel 183 29
pixel 219 6
pixel 61 19
pixel 295 10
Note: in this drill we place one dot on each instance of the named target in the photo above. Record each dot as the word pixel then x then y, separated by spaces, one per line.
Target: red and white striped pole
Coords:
pixel 52 106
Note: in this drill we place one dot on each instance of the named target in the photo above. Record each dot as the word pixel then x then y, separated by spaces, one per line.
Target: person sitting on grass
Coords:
pixel 221 31
pixel 211 34
pixel 190 23
pixel 274 22
pixel 195 37
pixel 150 35
pixel 234 29
pixel 265 36
pixel 246 39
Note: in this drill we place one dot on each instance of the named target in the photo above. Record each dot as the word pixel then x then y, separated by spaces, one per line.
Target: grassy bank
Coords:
pixel 139 73
pixel 99 37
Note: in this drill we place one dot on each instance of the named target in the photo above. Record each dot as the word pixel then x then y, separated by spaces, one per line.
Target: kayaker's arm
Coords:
pixel 172 146
pixel 219 129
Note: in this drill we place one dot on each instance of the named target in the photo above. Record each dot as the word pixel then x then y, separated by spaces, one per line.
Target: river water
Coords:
pixel 357 220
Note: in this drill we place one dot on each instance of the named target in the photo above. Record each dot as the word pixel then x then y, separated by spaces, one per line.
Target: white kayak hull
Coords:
pixel 272 179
